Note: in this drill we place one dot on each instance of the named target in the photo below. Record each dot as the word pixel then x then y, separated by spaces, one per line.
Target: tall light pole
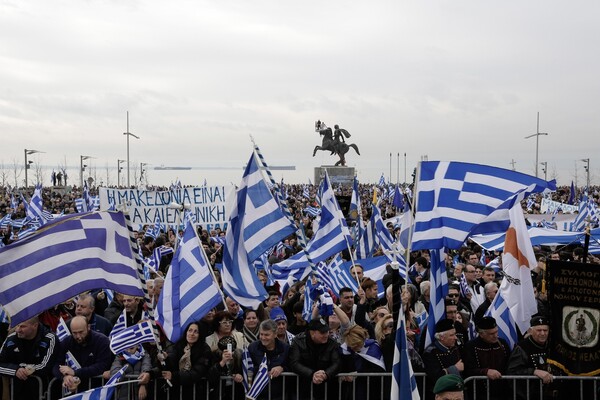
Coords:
pixel 128 134
pixel 82 168
pixel 27 163
pixel 537 142
pixel 119 169
pixel 587 171
pixel 545 169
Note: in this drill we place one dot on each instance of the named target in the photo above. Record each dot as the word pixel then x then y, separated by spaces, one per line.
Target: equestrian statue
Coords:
pixel 334 141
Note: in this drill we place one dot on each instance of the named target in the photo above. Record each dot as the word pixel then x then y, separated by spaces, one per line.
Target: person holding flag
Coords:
pixel 276 353
pixel 138 362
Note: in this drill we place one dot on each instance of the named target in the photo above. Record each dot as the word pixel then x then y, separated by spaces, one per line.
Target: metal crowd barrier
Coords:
pixel 372 386
pixel 587 387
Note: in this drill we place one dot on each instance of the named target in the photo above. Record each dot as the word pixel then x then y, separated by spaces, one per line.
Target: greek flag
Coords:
pixel 5 221
pixel 256 224
pixel 154 231
pixel 101 393
pixel 455 200
pixel 120 325
pixel 506 325
pixel 370 352
pixel 218 239
pixel 86 203
pixel 35 210
pixel 586 215
pixel 382 180
pixel 62 330
pixel 261 380
pixel 116 377
pixel 247 368
pixel 437 294
pixel 539 236
pixel 305 192
pixel 312 211
pixel 376 234
pixel 404 384
pixel 132 336
pixel 73 254
pixel 71 361
pixel 3 315
pixel 189 290
pixel 335 277
pixel 153 262
pixel 331 237
pixel 464 286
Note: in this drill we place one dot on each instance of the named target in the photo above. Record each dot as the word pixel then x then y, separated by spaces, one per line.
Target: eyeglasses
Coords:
pixel 225 322
pixel 453 295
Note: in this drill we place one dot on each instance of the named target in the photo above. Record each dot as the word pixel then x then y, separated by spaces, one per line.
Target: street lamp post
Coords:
pixel 82 168
pixel 27 163
pixel 537 142
pixel 587 171
pixel 128 134
pixel 119 169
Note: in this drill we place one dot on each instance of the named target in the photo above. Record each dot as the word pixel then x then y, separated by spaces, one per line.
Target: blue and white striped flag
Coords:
pixel 117 376
pixel 256 223
pixel 404 383
pixel 437 294
pixel 62 330
pixel 455 200
pixel 189 290
pixel 247 369
pixel 306 192
pixel 312 211
pixel 465 291
pixel 132 336
pixel 71 255
pixel 3 315
pixel 506 325
pixel 154 230
pixel 261 380
pixel 382 180
pixel 370 352
pixel 120 325
pixel 36 207
pixel 335 277
pixel 72 361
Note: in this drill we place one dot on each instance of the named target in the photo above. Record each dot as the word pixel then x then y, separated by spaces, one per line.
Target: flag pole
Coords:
pixel 285 208
pixel 140 270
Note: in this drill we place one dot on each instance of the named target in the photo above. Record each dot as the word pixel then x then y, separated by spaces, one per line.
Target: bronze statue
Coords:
pixel 334 142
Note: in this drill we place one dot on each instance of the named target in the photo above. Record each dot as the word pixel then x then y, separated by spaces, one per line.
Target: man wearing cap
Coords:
pixel 487 355
pixel 315 357
pixel 449 387
pixel 278 315
pixel 529 357
pixel 442 357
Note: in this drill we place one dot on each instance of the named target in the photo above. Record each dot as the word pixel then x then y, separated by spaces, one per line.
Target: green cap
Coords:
pixel 449 383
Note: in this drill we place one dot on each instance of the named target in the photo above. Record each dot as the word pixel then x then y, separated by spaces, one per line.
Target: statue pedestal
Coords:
pixel 337 175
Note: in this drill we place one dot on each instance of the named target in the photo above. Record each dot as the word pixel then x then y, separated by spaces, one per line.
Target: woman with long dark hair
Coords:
pixel 187 365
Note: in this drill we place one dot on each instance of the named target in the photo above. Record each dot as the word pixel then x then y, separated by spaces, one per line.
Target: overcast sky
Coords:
pixel 453 80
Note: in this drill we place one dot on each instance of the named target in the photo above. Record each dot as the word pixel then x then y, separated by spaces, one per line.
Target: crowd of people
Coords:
pixel 356 335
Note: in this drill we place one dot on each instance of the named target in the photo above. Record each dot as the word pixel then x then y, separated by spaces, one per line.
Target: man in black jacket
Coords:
pixel 316 359
pixel 30 350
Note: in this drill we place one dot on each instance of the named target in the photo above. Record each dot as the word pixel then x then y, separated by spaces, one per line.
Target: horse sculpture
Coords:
pixel 334 142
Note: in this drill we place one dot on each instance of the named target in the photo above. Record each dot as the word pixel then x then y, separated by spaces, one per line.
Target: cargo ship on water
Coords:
pixel 163 168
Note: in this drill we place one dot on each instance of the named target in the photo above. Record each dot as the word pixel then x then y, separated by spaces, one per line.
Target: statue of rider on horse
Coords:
pixel 334 141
